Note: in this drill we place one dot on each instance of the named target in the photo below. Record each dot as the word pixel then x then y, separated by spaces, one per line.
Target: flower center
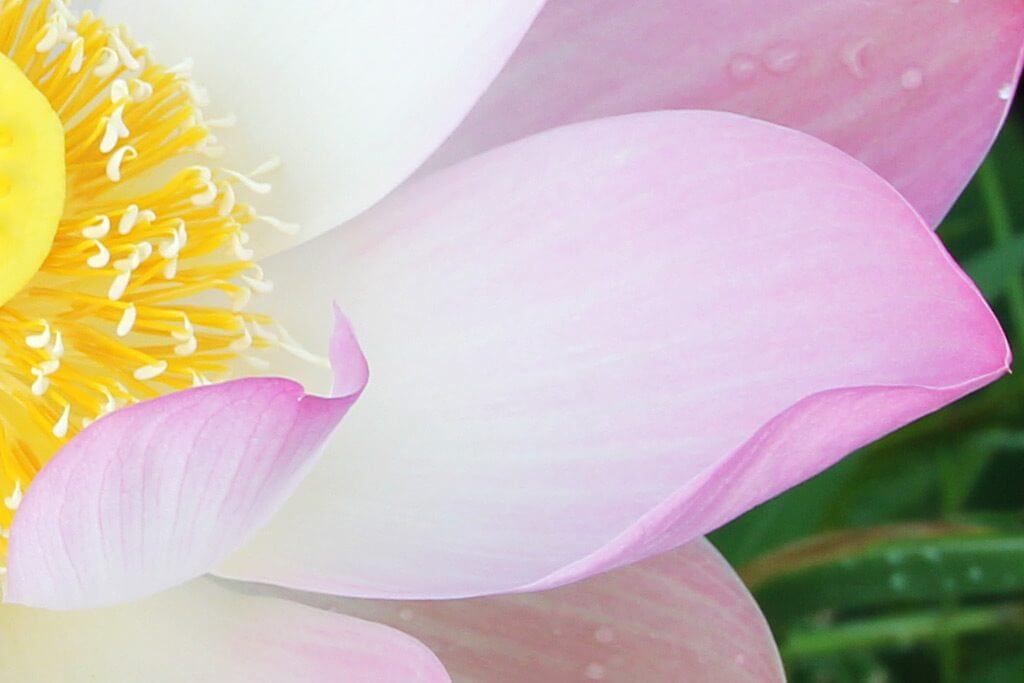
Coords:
pixel 134 280
pixel 31 178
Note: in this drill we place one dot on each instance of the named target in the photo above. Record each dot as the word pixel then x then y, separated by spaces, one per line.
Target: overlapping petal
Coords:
pixel 159 492
pixel 916 89
pixel 681 616
pixel 352 95
pixel 604 341
pixel 201 632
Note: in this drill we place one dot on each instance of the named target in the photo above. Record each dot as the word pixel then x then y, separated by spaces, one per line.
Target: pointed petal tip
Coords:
pixel 351 369
pixel 715 310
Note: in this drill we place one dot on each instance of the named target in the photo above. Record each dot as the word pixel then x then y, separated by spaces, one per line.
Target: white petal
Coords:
pixel 352 95
pixel 202 632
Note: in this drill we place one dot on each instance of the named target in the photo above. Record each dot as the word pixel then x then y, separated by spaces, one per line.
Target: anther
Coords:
pixel 279 225
pixel 269 166
pixel 125 55
pixel 243 342
pixel 207 196
pixel 187 347
pixel 227 200
pixel 116 159
pixel 152 371
pixel 119 285
pixel 109 63
pixel 127 322
pixel 100 259
pixel 60 428
pixel 241 252
pixel 98 229
pixel 14 500
pixel 252 185
pixel 77 55
pixel 38 341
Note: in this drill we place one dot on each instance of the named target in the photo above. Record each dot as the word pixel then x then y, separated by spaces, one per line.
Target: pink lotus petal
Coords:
pixel 351 94
pixel 202 632
pixel 607 340
pixel 159 492
pixel 916 89
pixel 683 616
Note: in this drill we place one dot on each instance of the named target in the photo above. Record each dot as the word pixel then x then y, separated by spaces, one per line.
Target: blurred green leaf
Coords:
pixel 910 564
pixel 992 269
pixel 1000 670
pixel 898 631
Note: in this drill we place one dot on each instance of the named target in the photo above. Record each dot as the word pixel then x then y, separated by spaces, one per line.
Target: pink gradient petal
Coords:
pixel 683 616
pixel 159 492
pixel 202 632
pixel 607 340
pixel 348 93
pixel 916 89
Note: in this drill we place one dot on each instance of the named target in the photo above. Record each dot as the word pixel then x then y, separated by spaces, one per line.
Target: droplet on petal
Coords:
pixel 853 56
pixel 782 58
pixel 912 79
pixel 743 67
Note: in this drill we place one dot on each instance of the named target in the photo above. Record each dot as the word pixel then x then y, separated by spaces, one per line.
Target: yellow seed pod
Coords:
pixel 32 178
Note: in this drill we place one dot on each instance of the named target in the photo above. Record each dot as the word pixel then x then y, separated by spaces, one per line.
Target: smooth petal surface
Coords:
pixel 682 616
pixel 158 493
pixel 604 341
pixel 352 95
pixel 201 632
pixel 916 89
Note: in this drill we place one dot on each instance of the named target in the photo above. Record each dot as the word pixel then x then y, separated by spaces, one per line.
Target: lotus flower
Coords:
pixel 588 347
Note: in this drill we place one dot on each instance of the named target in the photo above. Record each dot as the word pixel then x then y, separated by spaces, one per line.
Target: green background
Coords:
pixel 905 562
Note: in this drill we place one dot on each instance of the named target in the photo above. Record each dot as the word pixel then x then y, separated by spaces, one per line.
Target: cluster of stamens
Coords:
pixel 146 285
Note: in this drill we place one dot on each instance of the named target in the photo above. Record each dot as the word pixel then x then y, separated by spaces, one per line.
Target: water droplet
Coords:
pixel 405 614
pixel 975 574
pixel 877 676
pixel 931 554
pixel 605 634
pixel 823 618
pixel 894 557
pixel 743 67
pixel 594 671
pixel 898 582
pixel 740 659
pixel 912 79
pixel 782 58
pixel 949 584
pixel 1006 92
pixel 853 57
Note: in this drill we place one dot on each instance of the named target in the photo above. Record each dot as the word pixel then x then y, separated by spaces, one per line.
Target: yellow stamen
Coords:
pixel 142 279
